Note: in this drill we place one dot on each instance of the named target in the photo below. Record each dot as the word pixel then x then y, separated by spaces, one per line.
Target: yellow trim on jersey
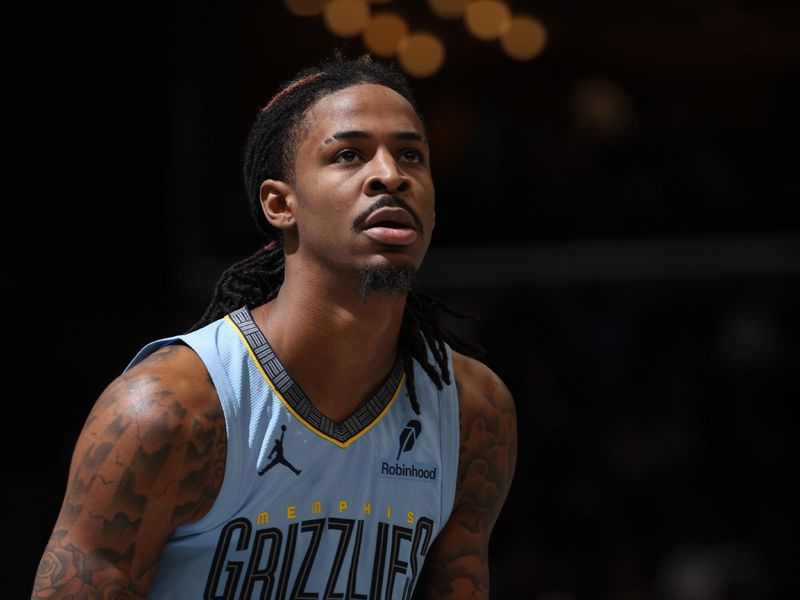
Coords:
pixel 296 415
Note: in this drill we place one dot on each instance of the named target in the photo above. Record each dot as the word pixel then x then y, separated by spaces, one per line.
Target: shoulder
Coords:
pixel 177 370
pixel 161 416
pixel 480 390
pixel 488 429
pixel 171 385
pixel 472 372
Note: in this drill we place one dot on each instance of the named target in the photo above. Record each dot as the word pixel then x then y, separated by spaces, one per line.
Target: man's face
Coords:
pixel 364 193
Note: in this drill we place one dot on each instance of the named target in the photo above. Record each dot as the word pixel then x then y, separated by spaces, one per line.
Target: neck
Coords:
pixel 336 345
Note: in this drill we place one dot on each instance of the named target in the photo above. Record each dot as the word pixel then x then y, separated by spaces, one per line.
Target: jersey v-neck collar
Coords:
pixel 341 433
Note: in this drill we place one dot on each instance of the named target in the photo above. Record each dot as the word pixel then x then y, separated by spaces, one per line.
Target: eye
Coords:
pixel 346 156
pixel 414 155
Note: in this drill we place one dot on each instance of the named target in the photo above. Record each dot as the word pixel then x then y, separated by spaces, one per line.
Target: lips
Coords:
pixel 390 217
pixel 391 225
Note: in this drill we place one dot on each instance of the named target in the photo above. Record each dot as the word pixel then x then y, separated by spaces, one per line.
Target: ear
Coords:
pixel 277 202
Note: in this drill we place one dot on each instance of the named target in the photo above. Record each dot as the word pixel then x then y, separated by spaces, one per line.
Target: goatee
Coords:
pixel 389 279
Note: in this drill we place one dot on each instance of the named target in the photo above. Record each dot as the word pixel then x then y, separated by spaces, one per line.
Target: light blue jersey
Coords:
pixel 310 508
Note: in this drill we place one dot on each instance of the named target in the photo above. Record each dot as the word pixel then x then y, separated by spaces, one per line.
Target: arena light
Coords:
pixel 305 8
pixel 525 39
pixel 384 32
pixel 421 54
pixel 448 9
pixel 487 19
pixel 346 18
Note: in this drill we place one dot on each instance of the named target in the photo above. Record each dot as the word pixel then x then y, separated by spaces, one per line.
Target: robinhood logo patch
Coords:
pixel 396 469
pixel 408 437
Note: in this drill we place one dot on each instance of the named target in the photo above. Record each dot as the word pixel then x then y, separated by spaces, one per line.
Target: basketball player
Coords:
pixel 318 434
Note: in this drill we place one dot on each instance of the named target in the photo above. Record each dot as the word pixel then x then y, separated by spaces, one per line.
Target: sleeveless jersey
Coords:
pixel 310 508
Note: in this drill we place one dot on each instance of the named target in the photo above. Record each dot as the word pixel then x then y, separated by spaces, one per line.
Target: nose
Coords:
pixel 386 175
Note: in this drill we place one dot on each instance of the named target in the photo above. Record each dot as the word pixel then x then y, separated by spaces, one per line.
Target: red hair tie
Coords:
pixel 289 88
pixel 271 246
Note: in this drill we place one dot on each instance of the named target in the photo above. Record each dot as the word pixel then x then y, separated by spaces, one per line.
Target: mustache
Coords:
pixel 393 201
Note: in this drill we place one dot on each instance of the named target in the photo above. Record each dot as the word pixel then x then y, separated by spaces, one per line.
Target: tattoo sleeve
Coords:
pixel 151 456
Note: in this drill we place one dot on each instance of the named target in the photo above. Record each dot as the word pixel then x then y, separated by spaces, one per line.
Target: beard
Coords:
pixel 389 279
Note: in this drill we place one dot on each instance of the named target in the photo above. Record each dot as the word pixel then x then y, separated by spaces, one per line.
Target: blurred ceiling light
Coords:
pixel 346 18
pixel 448 9
pixel 487 19
pixel 384 32
pixel 305 8
pixel 525 38
pixel 421 54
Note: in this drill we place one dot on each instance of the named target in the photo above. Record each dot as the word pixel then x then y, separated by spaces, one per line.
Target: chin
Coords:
pixel 387 278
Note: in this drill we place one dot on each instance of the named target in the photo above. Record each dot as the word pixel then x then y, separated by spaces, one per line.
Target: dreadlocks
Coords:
pixel 270 154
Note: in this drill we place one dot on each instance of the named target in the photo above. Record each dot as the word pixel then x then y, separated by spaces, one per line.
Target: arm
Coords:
pixel 457 565
pixel 150 457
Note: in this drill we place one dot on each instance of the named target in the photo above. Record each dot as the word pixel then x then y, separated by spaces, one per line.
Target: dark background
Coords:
pixel 620 212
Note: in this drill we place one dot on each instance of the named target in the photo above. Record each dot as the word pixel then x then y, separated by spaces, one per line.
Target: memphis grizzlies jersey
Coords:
pixel 310 508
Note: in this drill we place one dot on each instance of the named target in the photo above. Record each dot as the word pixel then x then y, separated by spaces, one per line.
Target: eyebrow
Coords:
pixel 358 134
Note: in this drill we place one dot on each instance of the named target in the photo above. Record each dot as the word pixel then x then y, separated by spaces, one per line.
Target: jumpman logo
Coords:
pixel 277 450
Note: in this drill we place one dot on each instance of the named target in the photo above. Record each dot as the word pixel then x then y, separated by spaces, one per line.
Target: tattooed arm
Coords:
pixel 457 565
pixel 150 457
